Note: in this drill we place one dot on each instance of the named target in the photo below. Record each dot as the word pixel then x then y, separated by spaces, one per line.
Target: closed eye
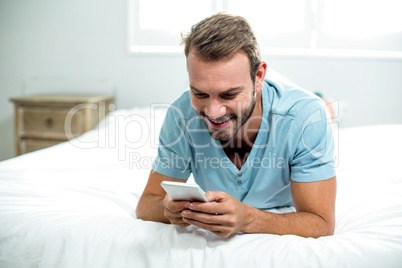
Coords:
pixel 200 95
pixel 229 96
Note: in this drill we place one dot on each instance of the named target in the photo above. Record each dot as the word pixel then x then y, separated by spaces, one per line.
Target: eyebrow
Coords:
pixel 222 93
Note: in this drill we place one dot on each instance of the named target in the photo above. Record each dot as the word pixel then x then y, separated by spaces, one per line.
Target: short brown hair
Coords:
pixel 220 36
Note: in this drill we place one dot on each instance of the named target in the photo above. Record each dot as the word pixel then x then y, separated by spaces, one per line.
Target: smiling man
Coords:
pixel 253 144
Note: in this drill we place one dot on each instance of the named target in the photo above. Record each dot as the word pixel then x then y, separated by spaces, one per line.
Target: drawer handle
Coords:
pixel 49 122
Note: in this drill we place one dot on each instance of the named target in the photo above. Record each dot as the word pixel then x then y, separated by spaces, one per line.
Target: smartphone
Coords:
pixel 180 191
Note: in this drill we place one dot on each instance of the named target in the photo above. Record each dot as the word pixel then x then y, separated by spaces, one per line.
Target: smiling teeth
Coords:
pixel 220 122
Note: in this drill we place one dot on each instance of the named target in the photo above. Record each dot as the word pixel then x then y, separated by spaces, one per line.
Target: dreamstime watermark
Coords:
pixel 132 133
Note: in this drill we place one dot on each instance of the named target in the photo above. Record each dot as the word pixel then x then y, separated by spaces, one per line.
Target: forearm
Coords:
pixel 150 208
pixel 304 224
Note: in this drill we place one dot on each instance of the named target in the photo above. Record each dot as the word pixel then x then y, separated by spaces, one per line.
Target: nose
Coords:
pixel 215 109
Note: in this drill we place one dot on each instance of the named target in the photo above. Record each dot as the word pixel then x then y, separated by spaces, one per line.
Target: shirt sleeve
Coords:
pixel 313 141
pixel 174 152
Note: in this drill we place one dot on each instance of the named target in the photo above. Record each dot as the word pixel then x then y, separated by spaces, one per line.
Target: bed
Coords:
pixel 73 205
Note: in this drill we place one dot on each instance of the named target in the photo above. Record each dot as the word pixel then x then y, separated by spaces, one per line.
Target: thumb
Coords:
pixel 215 196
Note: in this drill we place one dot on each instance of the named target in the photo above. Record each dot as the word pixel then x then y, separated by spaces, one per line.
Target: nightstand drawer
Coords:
pixel 30 145
pixel 47 119
pixel 39 122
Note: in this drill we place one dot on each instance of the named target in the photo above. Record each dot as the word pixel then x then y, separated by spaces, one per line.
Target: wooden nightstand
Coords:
pixel 45 120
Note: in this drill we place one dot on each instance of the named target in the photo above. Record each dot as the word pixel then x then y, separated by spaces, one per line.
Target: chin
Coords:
pixel 223 137
pixel 219 135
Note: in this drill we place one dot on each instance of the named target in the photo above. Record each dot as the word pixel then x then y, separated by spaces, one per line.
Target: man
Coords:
pixel 252 144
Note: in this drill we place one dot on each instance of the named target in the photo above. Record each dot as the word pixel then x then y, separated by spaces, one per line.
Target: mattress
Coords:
pixel 73 205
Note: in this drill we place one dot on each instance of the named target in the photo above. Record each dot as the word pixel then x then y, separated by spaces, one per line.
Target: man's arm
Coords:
pixel 156 205
pixel 314 216
pixel 315 211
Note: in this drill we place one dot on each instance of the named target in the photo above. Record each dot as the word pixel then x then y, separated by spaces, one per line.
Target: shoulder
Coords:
pixel 291 100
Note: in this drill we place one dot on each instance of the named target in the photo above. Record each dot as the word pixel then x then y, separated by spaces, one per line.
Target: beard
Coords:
pixel 225 135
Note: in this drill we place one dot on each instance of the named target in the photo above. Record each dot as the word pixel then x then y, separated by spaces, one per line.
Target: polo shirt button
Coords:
pixel 239 174
pixel 239 182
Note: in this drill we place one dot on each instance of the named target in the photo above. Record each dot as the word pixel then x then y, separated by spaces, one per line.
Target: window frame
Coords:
pixel 311 52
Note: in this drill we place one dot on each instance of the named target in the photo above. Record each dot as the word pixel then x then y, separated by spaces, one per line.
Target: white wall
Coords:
pixel 70 46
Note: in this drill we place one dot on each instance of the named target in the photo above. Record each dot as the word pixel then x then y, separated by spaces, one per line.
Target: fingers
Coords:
pixel 222 217
pixel 172 211
pixel 207 218
pixel 175 218
pixel 217 207
pixel 217 216
pixel 209 208
pixel 174 206
pixel 218 229
pixel 213 196
pixel 177 206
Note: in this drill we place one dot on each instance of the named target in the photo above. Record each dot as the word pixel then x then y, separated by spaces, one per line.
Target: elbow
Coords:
pixel 330 226
pixel 321 232
pixel 150 208
pixel 330 229
pixel 327 230
pixel 141 214
pixel 138 214
pixel 140 211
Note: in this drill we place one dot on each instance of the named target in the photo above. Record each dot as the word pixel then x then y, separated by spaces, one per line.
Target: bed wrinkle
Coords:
pixel 89 203
pixel 110 196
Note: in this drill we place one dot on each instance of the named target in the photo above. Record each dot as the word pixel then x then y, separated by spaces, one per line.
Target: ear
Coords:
pixel 260 76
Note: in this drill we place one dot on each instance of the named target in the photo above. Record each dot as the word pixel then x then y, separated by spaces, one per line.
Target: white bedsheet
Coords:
pixel 72 207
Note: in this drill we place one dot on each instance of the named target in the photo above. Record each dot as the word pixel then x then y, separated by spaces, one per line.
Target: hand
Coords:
pixel 224 217
pixel 172 210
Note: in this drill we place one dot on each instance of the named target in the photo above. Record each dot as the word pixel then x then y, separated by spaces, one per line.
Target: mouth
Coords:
pixel 219 124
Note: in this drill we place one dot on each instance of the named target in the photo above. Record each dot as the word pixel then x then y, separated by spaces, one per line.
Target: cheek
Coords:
pixel 196 103
pixel 239 105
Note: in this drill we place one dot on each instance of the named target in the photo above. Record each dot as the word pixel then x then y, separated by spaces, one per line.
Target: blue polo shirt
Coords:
pixel 294 142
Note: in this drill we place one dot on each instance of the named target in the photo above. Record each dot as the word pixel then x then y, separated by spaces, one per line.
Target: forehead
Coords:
pixel 220 75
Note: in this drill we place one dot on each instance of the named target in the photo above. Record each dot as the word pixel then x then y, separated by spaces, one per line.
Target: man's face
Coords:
pixel 222 93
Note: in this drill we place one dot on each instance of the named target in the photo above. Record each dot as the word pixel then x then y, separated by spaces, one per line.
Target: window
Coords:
pixel 362 28
pixel 360 24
